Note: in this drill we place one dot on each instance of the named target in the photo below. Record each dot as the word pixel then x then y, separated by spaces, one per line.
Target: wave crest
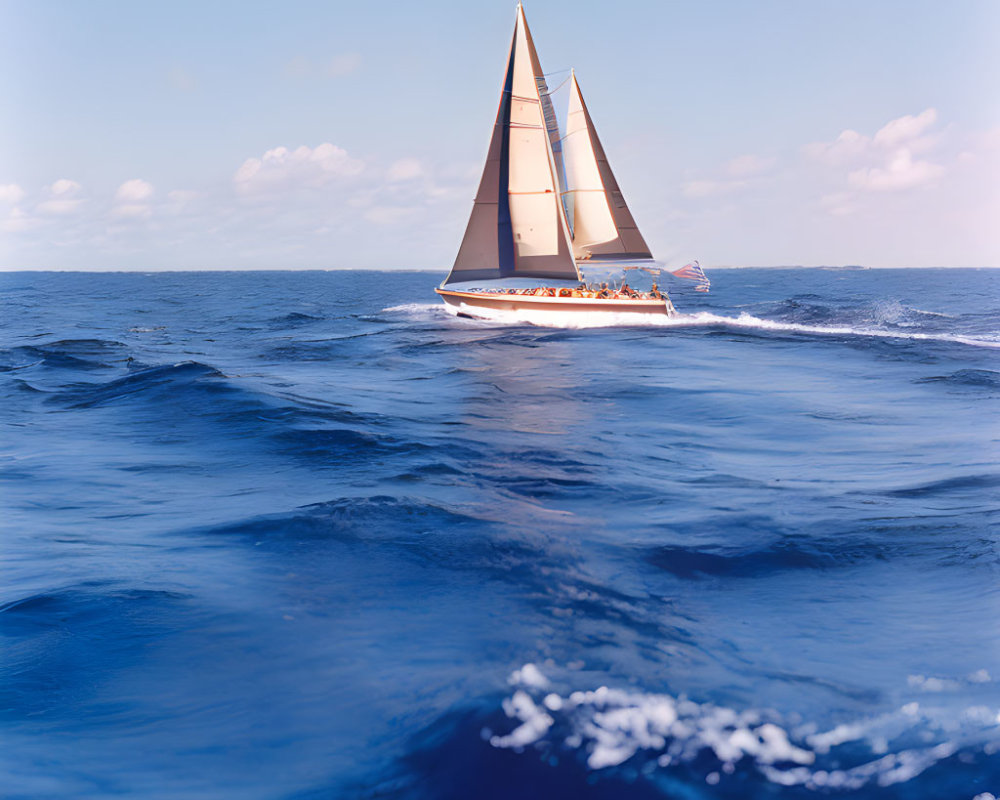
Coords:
pixel 612 726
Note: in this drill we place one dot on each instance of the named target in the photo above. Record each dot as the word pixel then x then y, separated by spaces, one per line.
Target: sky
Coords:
pixel 265 135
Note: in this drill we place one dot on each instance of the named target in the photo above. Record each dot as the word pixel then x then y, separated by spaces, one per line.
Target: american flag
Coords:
pixel 692 272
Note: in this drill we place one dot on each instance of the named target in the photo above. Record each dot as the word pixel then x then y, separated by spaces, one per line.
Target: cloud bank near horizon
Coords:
pixel 915 192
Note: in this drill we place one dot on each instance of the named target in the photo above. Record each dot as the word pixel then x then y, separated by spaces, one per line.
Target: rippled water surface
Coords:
pixel 308 535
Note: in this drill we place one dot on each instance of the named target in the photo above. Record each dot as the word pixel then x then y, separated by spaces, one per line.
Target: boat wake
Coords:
pixel 705 319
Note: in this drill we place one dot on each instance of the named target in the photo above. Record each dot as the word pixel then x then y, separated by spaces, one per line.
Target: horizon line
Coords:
pixel 444 270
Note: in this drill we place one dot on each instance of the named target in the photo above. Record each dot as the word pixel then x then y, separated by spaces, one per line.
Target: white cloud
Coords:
pixel 59 207
pixel 883 162
pixel 343 64
pixel 132 200
pixel 11 194
pixel 281 168
pixel 132 211
pixel 839 204
pixel 735 175
pixel 405 169
pixel 848 146
pixel 745 166
pixel 179 200
pixel 135 190
pixel 905 129
pixel 64 186
pixel 181 80
pixel 901 172
pixel 18 221
pixel 63 198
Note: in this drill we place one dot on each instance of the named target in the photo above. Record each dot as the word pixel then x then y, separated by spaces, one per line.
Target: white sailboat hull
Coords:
pixel 471 302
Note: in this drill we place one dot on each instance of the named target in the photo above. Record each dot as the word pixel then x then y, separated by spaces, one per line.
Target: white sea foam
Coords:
pixel 534 721
pixel 528 675
pixel 606 319
pixel 613 725
pixel 424 310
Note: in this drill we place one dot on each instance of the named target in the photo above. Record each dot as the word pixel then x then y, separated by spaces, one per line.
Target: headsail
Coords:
pixel 518 227
pixel 603 227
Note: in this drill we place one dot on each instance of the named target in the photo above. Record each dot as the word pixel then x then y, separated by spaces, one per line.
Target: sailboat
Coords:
pixel 548 209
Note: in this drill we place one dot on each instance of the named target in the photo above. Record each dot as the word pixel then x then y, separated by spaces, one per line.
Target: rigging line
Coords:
pixel 570 133
pixel 553 91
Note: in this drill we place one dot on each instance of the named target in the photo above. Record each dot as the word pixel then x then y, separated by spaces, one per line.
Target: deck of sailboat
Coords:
pixel 470 301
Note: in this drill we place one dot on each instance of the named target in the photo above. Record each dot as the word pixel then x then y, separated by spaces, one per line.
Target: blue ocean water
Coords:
pixel 308 535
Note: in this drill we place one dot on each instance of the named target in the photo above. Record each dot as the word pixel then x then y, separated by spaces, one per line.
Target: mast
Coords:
pixel 518 227
pixel 603 226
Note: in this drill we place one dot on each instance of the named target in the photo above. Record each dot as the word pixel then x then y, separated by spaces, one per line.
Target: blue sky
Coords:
pixel 305 134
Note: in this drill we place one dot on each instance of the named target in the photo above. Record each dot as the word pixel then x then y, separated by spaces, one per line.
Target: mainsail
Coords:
pixel 518 226
pixel 603 227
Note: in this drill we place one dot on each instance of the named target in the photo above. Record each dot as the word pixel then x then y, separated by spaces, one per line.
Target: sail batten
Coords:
pixel 518 226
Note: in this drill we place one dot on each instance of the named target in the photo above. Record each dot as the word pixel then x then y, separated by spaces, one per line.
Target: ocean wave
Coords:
pixel 50 665
pixel 379 517
pixel 690 562
pixel 199 402
pixel 609 727
pixel 961 484
pixel 297 316
pixel 313 350
pixel 168 377
pixel 743 322
pixel 333 445
pixel 888 312
pixel 80 354
pixel 705 547
pixel 449 537
pixel 884 314
pixel 54 608
pixel 187 381
pixel 983 378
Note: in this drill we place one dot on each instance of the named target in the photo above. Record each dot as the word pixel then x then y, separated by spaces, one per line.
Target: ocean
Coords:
pixel 308 535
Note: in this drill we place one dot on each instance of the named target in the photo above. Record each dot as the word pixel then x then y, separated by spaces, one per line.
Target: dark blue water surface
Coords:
pixel 307 535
